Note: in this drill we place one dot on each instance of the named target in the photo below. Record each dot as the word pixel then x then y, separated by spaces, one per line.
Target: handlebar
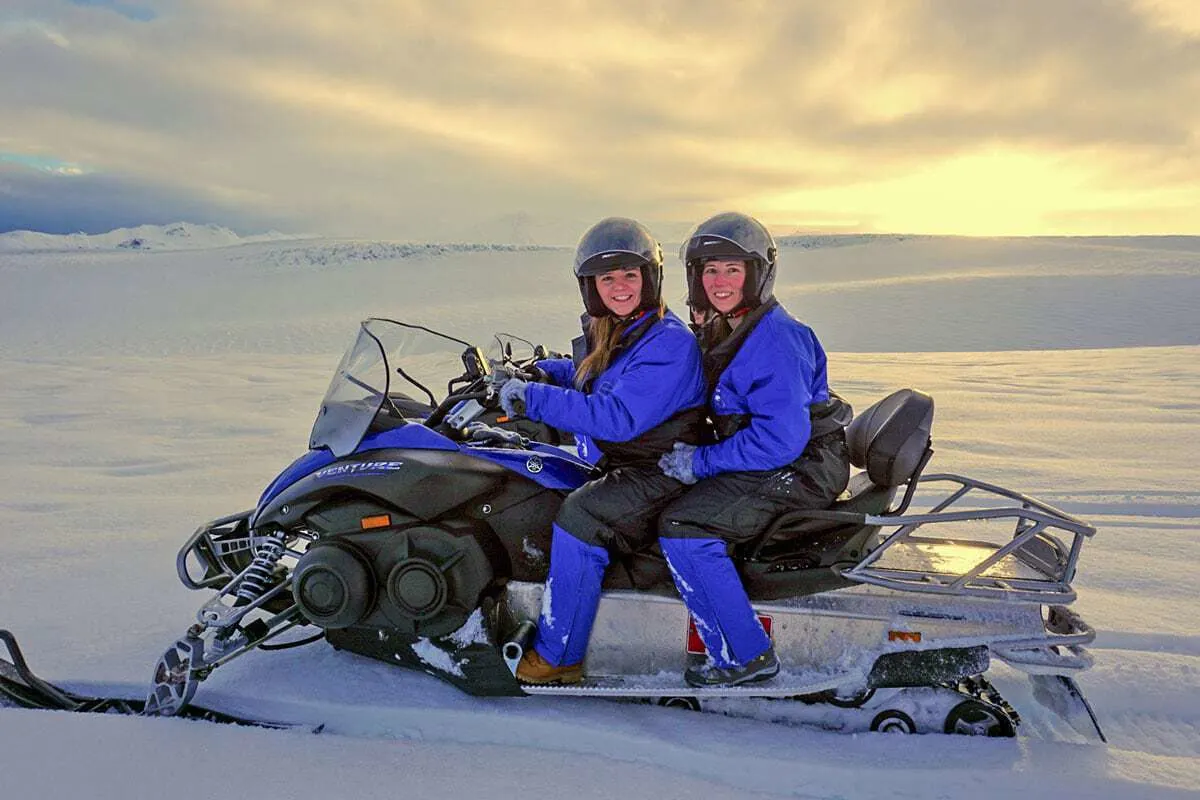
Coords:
pixel 484 387
pixel 443 408
pixel 483 434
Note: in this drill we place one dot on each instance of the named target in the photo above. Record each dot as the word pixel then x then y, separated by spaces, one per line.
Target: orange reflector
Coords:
pixel 381 521
pixel 501 420
pixel 904 636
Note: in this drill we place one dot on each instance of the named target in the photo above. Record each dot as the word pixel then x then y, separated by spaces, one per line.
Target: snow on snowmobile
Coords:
pixel 416 530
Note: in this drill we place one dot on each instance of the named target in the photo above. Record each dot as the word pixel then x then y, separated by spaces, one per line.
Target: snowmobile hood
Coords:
pixel 414 436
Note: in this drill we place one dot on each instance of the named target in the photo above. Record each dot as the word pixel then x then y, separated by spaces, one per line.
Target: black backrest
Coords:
pixel 890 438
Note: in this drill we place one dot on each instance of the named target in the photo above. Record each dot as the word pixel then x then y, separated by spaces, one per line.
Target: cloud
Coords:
pixel 13 29
pixel 128 10
pixel 416 120
pixel 44 164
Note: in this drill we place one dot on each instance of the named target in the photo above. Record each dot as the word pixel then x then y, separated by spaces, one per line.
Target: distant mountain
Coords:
pixel 816 240
pixel 176 236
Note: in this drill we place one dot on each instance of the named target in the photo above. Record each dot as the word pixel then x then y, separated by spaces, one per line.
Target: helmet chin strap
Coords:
pixel 718 327
pixel 632 316
pixel 738 312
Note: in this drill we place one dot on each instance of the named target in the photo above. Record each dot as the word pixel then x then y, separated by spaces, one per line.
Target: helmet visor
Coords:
pixel 609 260
pixel 703 246
pixel 614 243
pixel 729 235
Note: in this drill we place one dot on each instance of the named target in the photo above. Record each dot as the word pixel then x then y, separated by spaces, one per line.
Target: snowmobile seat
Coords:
pixel 890 442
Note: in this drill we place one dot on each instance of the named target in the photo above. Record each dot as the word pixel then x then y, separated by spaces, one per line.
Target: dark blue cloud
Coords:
pixel 35 200
pixel 127 10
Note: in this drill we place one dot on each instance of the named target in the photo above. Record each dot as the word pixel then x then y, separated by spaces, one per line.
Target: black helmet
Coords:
pixel 736 236
pixel 616 243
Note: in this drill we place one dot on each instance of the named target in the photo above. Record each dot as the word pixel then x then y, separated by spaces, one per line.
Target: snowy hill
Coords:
pixel 176 236
pixel 818 240
pixel 330 253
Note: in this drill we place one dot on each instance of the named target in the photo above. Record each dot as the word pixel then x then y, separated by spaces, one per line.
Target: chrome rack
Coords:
pixel 1049 565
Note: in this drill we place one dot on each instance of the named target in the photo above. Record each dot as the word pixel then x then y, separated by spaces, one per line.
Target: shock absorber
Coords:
pixel 258 575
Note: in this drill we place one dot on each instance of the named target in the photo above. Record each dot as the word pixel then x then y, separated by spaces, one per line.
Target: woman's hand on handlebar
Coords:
pixel 512 397
pixel 530 372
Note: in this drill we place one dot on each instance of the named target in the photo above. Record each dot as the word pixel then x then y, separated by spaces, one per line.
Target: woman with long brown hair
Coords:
pixel 634 387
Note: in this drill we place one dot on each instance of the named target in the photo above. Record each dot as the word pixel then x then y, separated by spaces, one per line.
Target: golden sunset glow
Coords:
pixel 994 193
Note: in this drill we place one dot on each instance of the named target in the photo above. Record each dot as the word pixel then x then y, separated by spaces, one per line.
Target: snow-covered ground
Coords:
pixel 145 391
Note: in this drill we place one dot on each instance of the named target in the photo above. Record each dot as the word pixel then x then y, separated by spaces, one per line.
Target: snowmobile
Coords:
pixel 416 530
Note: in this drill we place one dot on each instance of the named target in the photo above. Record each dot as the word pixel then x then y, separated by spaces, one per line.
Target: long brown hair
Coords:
pixel 604 335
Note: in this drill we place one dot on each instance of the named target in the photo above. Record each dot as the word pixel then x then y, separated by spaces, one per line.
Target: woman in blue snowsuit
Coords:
pixel 780 441
pixel 634 387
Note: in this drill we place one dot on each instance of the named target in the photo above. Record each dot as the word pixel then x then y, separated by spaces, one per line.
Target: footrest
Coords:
pixel 672 685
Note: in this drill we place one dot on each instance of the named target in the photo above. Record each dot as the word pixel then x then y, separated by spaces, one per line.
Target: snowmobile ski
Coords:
pixel 20 687
pixel 1061 694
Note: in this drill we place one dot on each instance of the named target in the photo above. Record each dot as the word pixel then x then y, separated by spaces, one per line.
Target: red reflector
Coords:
pixel 904 636
pixel 381 521
pixel 695 645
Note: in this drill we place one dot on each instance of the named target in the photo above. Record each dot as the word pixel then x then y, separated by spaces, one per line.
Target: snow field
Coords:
pixel 143 393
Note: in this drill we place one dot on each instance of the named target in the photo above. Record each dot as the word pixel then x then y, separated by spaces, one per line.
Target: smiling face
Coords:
pixel 620 290
pixel 723 280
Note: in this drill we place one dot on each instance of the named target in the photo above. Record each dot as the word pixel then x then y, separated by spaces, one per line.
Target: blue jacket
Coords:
pixel 776 374
pixel 655 378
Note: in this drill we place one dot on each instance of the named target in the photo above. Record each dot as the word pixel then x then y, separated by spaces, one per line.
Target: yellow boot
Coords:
pixel 537 670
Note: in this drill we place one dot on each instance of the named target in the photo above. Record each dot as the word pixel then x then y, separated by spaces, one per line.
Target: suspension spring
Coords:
pixel 258 575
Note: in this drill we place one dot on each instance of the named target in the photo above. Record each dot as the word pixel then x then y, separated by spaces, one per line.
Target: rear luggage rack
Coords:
pixel 1033 566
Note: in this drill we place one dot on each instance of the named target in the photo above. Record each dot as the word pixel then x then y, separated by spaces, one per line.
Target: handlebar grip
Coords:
pixel 479 432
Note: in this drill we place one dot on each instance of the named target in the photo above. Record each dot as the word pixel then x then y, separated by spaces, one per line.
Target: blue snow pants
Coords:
pixel 698 531
pixel 613 514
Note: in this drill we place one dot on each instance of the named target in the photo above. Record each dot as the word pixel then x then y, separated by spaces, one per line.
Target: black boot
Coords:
pixel 762 667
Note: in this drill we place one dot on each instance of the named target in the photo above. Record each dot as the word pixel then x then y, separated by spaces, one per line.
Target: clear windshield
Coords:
pixel 510 347
pixel 404 369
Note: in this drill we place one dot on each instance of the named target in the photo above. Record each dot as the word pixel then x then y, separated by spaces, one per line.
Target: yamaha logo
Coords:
pixel 534 464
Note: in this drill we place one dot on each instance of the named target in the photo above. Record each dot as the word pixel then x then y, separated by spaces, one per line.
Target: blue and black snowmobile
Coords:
pixel 416 530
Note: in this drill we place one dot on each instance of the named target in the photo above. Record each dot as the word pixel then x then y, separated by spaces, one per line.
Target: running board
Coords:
pixel 672 685
pixel 668 686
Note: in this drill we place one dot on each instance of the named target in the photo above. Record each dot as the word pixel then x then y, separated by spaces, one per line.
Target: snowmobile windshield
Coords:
pixel 398 369
pixel 510 347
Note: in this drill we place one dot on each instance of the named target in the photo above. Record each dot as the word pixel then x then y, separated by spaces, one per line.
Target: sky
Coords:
pixel 527 121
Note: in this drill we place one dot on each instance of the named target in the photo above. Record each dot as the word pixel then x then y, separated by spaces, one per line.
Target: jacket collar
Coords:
pixel 718 356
